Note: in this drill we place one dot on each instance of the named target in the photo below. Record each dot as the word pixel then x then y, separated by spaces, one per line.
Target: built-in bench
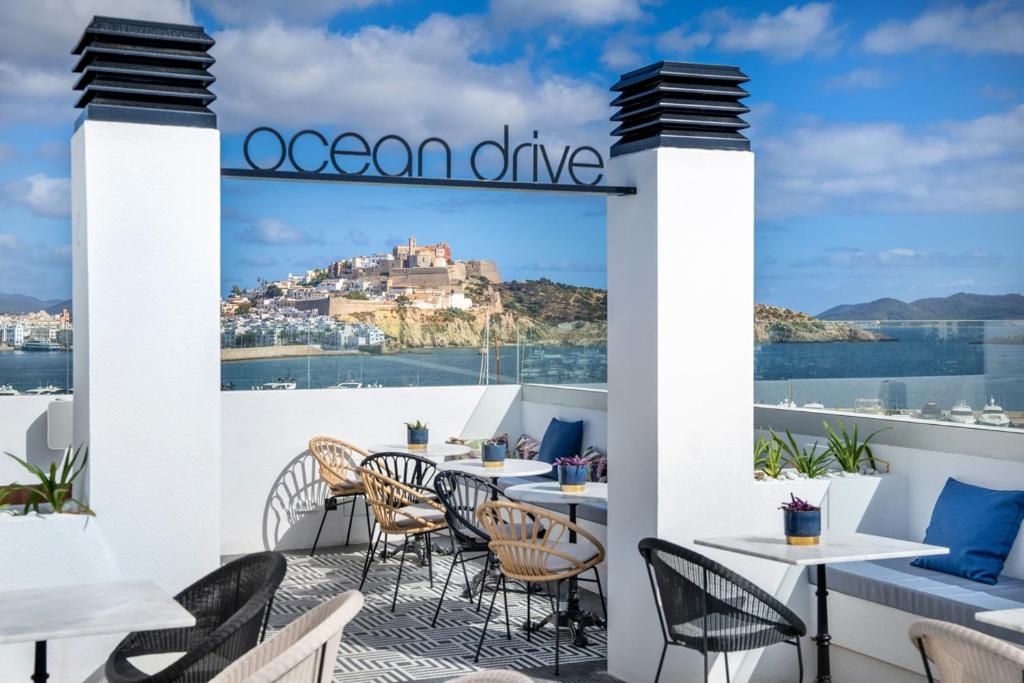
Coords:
pixel 899 585
pixel 592 512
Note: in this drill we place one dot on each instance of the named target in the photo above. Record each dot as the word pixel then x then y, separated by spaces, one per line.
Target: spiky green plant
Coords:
pixel 848 450
pixel 416 425
pixel 807 462
pixel 768 456
pixel 54 487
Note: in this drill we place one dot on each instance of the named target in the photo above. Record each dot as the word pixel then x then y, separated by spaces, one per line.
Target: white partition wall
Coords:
pixel 680 362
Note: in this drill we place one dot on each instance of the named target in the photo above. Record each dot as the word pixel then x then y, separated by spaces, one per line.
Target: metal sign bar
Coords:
pixel 452 183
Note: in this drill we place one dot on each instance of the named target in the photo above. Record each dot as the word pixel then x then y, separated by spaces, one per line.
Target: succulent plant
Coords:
pixel 571 461
pixel 768 456
pixel 795 504
pixel 808 462
pixel 416 425
pixel 847 450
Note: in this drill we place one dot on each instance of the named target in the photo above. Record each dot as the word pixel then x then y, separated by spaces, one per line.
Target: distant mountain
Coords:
pixel 23 303
pixel 960 306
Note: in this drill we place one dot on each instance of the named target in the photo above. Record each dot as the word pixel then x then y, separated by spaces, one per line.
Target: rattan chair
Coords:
pixel 304 651
pixel 963 655
pixel 400 510
pixel 533 546
pixel 231 606
pixel 338 460
pixel 704 606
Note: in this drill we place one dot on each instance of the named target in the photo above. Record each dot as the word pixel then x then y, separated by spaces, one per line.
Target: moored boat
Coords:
pixel 993 415
pixel 961 413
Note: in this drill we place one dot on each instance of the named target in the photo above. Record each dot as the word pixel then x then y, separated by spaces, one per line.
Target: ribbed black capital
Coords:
pixel 675 104
pixel 145 72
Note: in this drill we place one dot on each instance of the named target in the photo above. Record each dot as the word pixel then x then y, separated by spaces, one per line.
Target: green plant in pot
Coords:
pixel 768 456
pixel 802 521
pixel 417 436
pixel 848 450
pixel 810 463
pixel 54 487
pixel 493 451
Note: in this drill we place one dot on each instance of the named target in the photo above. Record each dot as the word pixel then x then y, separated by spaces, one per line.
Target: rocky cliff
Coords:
pixel 777 324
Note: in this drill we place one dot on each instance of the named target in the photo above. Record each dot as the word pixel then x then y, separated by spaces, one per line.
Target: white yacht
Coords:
pixel 787 403
pixel 930 411
pixel 348 384
pixel 814 405
pixel 279 385
pixel 871 406
pixel 48 390
pixel 8 390
pixel 993 415
pixel 961 413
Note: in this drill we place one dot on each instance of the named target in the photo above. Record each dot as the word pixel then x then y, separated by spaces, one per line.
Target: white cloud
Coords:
pixel 423 81
pixel 859 79
pixel 524 13
pixel 622 51
pixel 996 26
pixel 796 31
pixel 680 42
pixel 42 195
pixel 295 11
pixel 37 37
pixel 970 166
pixel 274 232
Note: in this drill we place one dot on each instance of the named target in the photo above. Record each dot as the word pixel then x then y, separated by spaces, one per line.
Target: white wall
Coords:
pixel 23 433
pixel 540 404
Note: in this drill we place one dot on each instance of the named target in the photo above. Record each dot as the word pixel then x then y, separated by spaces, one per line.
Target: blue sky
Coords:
pixel 889 136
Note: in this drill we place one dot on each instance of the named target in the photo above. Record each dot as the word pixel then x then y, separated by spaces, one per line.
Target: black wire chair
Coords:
pixel 410 470
pixel 461 494
pixel 706 607
pixel 231 606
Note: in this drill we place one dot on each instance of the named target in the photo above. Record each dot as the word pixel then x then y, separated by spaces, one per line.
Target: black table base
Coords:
pixel 39 675
pixel 822 639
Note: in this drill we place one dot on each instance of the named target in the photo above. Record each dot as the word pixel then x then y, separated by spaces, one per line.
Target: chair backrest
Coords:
pixel 963 655
pixel 689 587
pixel 461 494
pixel 230 605
pixel 390 500
pixel 411 470
pixel 527 538
pixel 303 652
pixel 337 459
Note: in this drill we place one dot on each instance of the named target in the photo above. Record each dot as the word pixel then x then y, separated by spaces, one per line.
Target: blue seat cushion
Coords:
pixel 978 525
pixel 592 512
pixel 901 585
pixel 561 440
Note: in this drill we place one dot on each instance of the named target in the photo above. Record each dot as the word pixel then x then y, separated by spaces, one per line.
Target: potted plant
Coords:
pixel 417 435
pixel 572 473
pixel 810 463
pixel 848 451
pixel 768 458
pixel 493 451
pixel 802 521
pixel 54 488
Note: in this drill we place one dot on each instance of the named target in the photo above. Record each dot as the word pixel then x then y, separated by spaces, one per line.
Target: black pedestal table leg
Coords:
pixel 823 639
pixel 40 675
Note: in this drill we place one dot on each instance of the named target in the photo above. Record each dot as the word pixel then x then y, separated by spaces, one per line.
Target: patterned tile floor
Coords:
pixel 381 646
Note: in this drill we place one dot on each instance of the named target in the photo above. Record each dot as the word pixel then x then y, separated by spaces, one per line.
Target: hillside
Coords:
pixel 961 306
pixel 546 301
pixel 23 303
pixel 776 324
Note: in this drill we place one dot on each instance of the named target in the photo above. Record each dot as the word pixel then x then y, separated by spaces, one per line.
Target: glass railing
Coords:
pixel 956 372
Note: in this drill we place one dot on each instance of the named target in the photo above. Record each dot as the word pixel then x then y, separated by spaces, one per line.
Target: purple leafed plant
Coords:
pixel 795 504
pixel 572 461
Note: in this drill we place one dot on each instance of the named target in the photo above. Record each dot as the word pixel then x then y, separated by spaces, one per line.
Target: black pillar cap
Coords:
pixel 145 72
pixel 678 104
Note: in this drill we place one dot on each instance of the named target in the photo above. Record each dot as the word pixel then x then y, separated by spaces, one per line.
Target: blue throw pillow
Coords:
pixel 978 525
pixel 561 440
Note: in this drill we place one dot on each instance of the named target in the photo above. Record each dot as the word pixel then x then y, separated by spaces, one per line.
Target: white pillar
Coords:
pixel 146 224
pixel 680 373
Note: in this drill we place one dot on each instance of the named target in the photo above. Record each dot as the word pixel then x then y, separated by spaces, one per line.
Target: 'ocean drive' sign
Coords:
pixel 310 152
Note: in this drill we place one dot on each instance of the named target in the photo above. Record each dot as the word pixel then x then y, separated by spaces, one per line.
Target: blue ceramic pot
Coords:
pixel 493 454
pixel 572 478
pixel 417 439
pixel 802 527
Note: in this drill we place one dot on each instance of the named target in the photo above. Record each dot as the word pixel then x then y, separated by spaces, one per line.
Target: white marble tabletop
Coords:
pixel 833 549
pixel 88 609
pixel 549 492
pixel 1012 619
pixel 513 467
pixel 434 451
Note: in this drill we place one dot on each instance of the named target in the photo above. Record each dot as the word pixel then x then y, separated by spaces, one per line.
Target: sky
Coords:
pixel 889 136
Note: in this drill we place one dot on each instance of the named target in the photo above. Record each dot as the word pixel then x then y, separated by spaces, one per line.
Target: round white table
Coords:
pixel 438 452
pixel 549 493
pixel 513 467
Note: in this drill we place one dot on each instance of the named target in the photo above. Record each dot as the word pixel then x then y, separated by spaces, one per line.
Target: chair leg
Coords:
pixel 401 563
pixel 924 659
pixel 487 570
pixel 799 660
pixel 504 596
pixel 465 575
pixel 556 624
pixel 726 655
pixel 600 592
pixel 529 624
pixel 661 661
pixel 371 550
pixel 366 507
pixel 317 539
pixel 705 660
pixel 351 516
pixel 486 622
pixel 430 559
pixel 456 558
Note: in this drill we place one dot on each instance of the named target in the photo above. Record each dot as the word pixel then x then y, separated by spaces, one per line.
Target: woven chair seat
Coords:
pixel 730 632
pixel 348 488
pixel 424 511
